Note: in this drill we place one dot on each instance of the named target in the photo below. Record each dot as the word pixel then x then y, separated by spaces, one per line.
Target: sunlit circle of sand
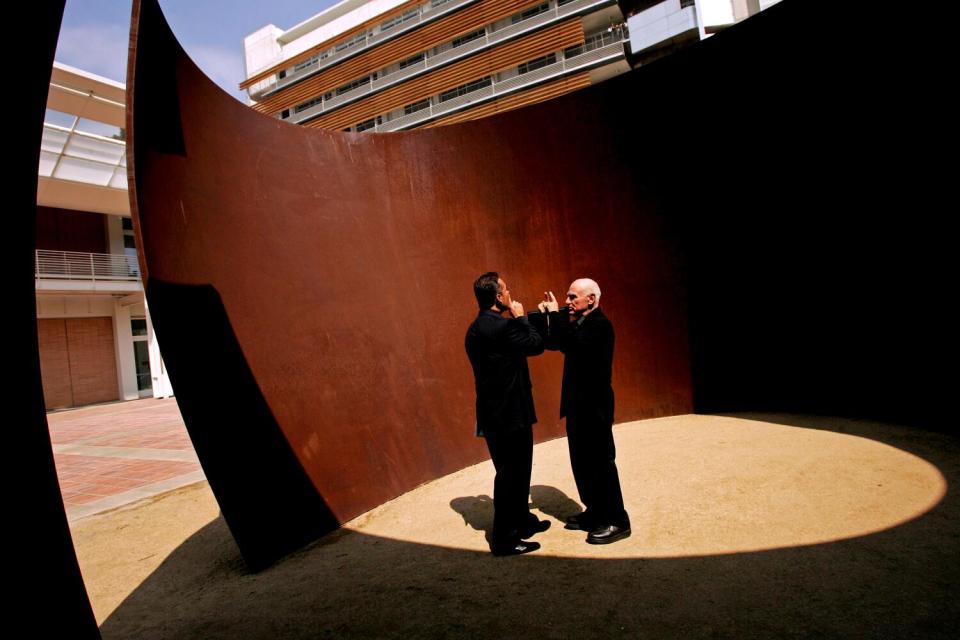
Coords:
pixel 694 485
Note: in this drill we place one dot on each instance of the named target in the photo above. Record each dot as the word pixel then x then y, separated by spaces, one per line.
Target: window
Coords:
pixel 346 44
pixel 300 66
pixel 437 3
pixel 592 42
pixel 529 13
pixel 411 61
pixel 465 88
pixel 138 326
pixel 141 354
pixel 416 106
pixel 369 124
pixel 400 19
pixel 353 85
pixel 129 240
pixel 538 63
pixel 469 37
pixel 303 106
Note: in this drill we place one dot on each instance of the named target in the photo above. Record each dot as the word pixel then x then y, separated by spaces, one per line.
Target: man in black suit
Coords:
pixel 585 336
pixel 498 347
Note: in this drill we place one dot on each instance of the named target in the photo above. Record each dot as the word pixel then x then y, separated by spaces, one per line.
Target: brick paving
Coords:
pixel 114 454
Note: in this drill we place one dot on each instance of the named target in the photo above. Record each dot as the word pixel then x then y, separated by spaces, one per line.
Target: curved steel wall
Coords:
pixel 311 289
pixel 344 266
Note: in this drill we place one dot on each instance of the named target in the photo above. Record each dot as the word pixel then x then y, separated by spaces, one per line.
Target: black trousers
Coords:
pixel 593 459
pixel 512 454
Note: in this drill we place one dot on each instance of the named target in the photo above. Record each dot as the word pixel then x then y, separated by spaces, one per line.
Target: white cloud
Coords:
pixel 99 49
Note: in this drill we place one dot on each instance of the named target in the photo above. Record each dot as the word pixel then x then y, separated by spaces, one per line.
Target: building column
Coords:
pixel 114 234
pixel 158 372
pixel 123 339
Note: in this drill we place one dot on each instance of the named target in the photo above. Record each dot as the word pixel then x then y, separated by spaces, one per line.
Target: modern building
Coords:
pixel 390 65
pixel 660 27
pixel 96 338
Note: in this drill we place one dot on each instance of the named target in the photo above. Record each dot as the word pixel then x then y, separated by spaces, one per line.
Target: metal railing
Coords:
pixel 554 14
pixel 600 55
pixel 75 265
pixel 427 14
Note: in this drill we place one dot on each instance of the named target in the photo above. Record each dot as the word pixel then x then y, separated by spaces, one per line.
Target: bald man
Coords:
pixel 585 336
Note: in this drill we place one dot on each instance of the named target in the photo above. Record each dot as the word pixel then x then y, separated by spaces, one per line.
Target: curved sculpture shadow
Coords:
pixel 894 583
pixel 734 265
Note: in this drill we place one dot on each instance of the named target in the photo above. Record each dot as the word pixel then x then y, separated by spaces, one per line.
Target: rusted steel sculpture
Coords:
pixel 316 285
pixel 311 288
pixel 45 573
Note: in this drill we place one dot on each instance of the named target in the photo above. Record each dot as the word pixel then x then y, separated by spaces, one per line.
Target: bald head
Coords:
pixel 588 286
pixel 583 296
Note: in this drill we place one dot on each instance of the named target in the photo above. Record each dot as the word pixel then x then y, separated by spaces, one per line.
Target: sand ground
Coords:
pixel 743 526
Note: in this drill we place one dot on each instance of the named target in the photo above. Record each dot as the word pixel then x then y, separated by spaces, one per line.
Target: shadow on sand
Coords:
pixel 900 582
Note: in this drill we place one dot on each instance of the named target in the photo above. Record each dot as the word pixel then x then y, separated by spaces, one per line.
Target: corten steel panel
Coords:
pixel 38 544
pixel 333 274
pixel 786 173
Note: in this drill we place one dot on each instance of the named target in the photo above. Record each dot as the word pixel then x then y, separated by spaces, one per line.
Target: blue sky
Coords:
pixel 95 32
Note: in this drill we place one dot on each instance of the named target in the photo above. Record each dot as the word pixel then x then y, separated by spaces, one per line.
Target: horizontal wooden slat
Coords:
pixel 537 44
pixel 436 33
pixel 517 100
pixel 326 44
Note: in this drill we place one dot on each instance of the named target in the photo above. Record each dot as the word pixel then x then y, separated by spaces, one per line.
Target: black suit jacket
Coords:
pixel 498 348
pixel 587 392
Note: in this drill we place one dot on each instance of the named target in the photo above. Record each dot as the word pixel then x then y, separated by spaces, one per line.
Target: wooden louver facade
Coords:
pixel 552 36
pixel 564 34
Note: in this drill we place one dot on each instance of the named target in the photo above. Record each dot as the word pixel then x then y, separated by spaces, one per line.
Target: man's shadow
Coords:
pixel 477 511
pixel 553 502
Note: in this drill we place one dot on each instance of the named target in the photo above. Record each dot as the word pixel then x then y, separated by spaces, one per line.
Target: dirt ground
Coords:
pixel 743 526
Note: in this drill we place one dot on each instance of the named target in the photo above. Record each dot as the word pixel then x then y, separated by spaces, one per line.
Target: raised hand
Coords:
pixel 549 302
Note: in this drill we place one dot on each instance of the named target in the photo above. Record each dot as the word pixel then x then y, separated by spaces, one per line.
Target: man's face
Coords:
pixel 503 296
pixel 578 300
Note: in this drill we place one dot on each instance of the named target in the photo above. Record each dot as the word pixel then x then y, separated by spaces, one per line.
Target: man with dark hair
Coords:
pixel 498 347
pixel 585 336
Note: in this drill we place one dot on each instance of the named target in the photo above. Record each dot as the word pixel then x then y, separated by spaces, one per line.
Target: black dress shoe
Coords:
pixel 608 534
pixel 532 530
pixel 516 549
pixel 579 522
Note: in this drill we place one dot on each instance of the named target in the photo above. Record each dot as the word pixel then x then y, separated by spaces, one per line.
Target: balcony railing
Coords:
pixel 74 265
pixel 491 38
pixel 497 89
pixel 427 14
